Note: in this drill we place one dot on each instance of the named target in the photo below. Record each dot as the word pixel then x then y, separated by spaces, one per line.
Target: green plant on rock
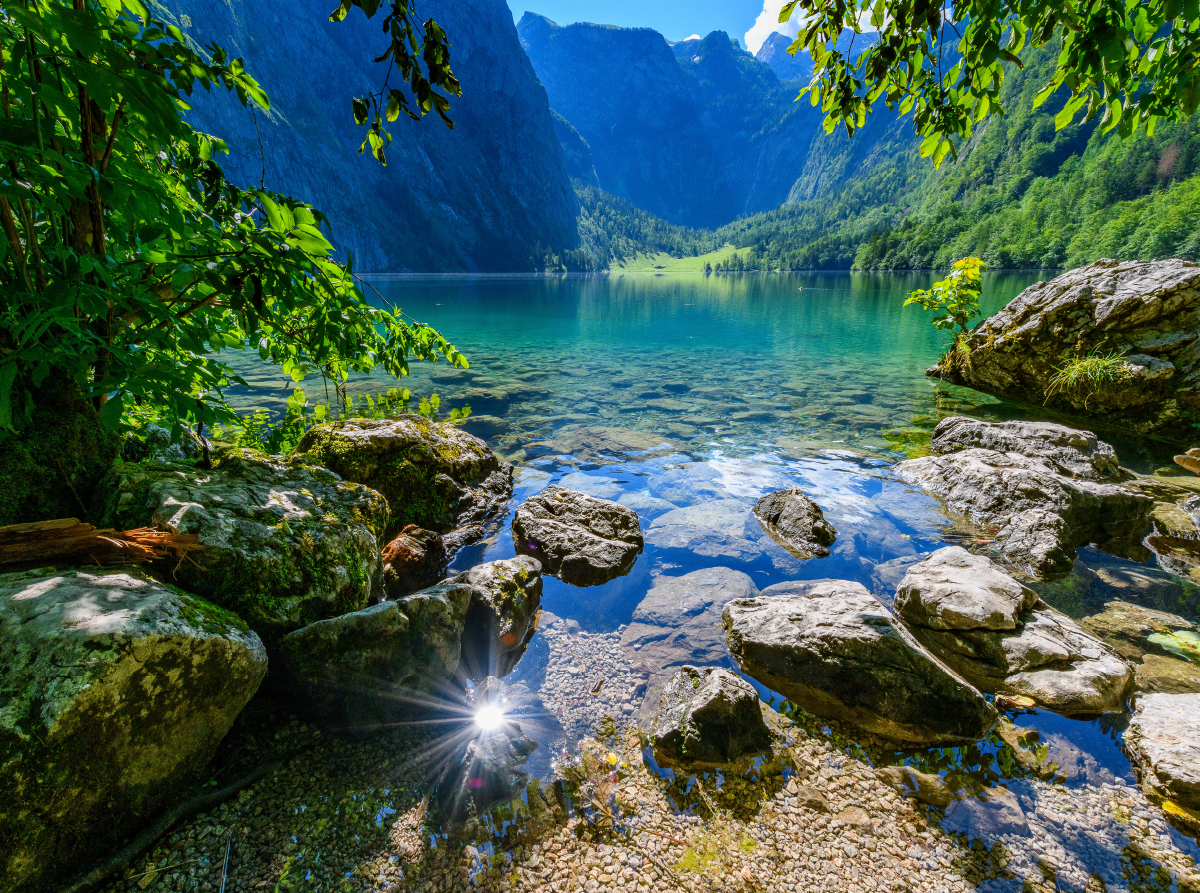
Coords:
pixel 1086 375
pixel 955 299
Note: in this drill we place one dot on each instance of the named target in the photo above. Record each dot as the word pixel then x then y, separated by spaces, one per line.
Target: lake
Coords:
pixel 689 397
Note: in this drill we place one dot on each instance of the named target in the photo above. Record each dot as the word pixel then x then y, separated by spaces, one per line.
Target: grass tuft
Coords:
pixel 1086 375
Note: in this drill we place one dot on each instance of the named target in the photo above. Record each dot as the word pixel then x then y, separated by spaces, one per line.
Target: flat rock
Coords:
pixel 415 559
pixel 708 716
pixel 1165 732
pixel 953 589
pixel 1147 311
pixel 115 691
pixel 1071 453
pixel 285 542
pixel 388 657
pixel 796 523
pixel 432 474
pixel 960 606
pixel 1036 514
pixel 838 653
pixel 584 540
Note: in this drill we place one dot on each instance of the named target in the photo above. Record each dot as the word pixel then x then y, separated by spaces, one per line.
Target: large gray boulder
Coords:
pixel 1147 311
pixel 1071 453
pixel 1165 733
pixel 708 716
pixel 285 542
pixel 115 691
pixel 584 540
pixel 1003 639
pixel 796 523
pixel 389 656
pixel 432 474
pixel 837 652
pixel 1037 514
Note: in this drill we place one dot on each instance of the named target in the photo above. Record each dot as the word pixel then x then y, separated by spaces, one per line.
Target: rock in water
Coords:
pixel 839 653
pixel 432 474
pixel 1146 312
pixel 116 691
pixel 1038 514
pixel 413 560
pixel 378 660
pixel 708 716
pixel 285 543
pixel 1165 732
pixel 582 539
pixel 796 523
pixel 1002 638
pixel 1071 453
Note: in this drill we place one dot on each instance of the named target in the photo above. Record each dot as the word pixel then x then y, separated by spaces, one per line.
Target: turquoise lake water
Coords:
pixel 689 397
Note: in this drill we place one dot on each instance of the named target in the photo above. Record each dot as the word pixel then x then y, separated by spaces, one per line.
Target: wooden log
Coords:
pixel 71 541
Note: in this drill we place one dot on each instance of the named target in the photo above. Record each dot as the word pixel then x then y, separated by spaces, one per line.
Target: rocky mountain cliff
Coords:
pixel 699 133
pixel 483 196
pixel 774 53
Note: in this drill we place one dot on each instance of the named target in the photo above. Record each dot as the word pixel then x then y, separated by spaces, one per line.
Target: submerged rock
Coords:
pixel 1155 640
pixel 1077 454
pixel 708 716
pixel 285 543
pixel 413 560
pixel 999 636
pixel 432 474
pixel 1038 514
pixel 584 540
pixel 838 653
pixel 1165 733
pixel 796 523
pixel 1147 313
pixel 115 691
pixel 390 656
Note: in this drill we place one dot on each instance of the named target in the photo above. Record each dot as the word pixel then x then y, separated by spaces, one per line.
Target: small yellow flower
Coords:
pixel 612 759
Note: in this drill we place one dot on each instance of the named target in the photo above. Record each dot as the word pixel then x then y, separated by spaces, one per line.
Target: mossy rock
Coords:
pixel 434 475
pixel 285 543
pixel 115 691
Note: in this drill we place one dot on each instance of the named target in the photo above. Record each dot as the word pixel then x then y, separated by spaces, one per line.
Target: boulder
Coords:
pixel 115 691
pixel 1037 514
pixel 388 657
pixel 1165 733
pixel 796 523
pixel 678 622
pixel 1146 312
pixel 838 653
pixel 432 474
pixel 584 540
pixel 285 543
pixel 1071 453
pixel 999 636
pixel 708 716
pixel 413 560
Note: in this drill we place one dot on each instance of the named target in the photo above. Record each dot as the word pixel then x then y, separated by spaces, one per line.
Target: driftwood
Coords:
pixel 71 541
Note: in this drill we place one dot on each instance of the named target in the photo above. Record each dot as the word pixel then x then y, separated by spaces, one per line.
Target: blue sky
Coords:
pixel 676 19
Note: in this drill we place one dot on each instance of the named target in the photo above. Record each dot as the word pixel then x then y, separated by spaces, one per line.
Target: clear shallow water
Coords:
pixel 688 398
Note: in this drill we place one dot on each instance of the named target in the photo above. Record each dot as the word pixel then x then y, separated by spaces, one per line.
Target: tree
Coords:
pixel 1131 63
pixel 128 263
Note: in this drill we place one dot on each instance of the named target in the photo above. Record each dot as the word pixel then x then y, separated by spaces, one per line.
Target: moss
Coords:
pixel 207 616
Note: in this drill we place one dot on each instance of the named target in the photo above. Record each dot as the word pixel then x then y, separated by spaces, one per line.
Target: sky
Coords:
pixel 750 21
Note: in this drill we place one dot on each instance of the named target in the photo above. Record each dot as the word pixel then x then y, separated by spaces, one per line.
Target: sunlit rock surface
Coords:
pixel 708 715
pixel 285 542
pixel 582 539
pixel 837 652
pixel 115 691
pixel 1147 312
pixel 1165 732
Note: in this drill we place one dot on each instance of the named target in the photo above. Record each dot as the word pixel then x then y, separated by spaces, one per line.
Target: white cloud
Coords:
pixel 768 21
pixel 693 37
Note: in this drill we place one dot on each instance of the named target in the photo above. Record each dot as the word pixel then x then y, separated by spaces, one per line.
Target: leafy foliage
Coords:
pixel 1130 63
pixel 1088 374
pixel 423 62
pixel 956 298
pixel 128 262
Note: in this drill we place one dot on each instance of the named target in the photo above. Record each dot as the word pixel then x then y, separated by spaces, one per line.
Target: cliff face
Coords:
pixel 473 198
pixel 698 133
pixel 774 53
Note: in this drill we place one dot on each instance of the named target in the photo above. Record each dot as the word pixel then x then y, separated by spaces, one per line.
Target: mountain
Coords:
pixel 698 134
pixel 774 53
pixel 487 195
